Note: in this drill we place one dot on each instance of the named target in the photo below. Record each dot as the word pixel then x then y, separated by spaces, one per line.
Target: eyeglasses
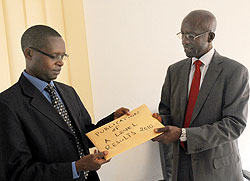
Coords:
pixel 190 36
pixel 55 57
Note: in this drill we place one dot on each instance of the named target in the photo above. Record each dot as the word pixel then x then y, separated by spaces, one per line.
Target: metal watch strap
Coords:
pixel 86 173
pixel 183 136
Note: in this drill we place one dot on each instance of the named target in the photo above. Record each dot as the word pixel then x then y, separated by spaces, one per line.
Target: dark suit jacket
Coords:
pixel 219 117
pixel 36 144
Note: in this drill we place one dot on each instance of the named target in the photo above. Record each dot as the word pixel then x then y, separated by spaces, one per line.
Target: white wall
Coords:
pixel 131 43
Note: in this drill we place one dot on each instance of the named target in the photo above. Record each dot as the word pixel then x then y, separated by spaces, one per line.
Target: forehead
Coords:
pixel 192 25
pixel 55 44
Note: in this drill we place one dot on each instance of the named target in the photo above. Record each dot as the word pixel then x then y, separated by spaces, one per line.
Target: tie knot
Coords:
pixel 50 88
pixel 198 63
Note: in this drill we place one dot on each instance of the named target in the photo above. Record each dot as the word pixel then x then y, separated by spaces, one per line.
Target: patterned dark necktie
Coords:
pixel 57 104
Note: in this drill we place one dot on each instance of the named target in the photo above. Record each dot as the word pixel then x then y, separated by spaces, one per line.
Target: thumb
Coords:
pixel 164 129
pixel 101 155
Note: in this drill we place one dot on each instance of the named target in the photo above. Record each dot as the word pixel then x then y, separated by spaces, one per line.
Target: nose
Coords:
pixel 185 40
pixel 60 62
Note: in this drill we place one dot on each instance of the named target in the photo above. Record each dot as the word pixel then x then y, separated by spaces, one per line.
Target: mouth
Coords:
pixel 57 72
pixel 187 49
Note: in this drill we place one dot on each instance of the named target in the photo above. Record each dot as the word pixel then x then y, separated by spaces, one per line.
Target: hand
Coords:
pixel 91 162
pixel 120 112
pixel 97 151
pixel 170 134
pixel 157 116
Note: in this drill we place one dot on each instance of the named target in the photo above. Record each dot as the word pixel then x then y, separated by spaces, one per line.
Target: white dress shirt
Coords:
pixel 205 59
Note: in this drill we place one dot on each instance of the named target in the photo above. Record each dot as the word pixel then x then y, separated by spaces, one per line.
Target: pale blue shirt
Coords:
pixel 40 85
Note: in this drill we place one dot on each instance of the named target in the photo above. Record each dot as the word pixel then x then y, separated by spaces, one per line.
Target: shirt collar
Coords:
pixel 205 59
pixel 38 83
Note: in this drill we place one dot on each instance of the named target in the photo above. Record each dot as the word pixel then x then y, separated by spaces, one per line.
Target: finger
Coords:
pixel 101 155
pixel 157 116
pixel 128 112
pixel 104 161
pixel 98 167
pixel 158 139
pixel 118 113
pixel 159 130
pixel 154 139
pixel 125 111
pixel 108 160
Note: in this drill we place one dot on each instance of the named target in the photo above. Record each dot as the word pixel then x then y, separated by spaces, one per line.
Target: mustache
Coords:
pixel 187 46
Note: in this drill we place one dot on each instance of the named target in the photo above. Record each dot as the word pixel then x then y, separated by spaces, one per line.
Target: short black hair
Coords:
pixel 36 36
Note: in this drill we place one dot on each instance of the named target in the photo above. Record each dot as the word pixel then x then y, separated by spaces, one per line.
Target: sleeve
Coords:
pixel 89 126
pixel 75 174
pixel 164 106
pixel 16 157
pixel 88 122
pixel 234 116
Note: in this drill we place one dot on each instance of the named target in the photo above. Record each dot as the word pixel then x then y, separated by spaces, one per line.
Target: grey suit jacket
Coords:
pixel 218 119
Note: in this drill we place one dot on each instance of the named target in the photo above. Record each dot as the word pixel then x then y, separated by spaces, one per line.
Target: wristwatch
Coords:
pixel 86 174
pixel 183 136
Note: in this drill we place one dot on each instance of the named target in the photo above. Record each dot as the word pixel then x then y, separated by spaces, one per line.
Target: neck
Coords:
pixel 208 49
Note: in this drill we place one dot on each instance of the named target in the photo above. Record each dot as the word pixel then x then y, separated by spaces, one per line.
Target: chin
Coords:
pixel 189 56
pixel 52 78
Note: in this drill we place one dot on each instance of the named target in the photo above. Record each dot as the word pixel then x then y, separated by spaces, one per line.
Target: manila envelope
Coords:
pixel 125 132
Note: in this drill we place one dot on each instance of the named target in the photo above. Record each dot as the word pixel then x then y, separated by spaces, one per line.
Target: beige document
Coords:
pixel 125 132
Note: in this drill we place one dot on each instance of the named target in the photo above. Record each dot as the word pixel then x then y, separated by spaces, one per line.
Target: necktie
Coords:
pixel 62 111
pixel 193 94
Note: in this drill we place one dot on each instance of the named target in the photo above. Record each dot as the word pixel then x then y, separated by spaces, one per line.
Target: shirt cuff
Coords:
pixel 75 174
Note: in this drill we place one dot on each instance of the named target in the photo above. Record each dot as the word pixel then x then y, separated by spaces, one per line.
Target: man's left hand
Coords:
pixel 158 117
pixel 120 112
pixel 170 134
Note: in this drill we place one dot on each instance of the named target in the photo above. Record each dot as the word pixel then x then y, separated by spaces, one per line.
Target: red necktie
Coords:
pixel 194 90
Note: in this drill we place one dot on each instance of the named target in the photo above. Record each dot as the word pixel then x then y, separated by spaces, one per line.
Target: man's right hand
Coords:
pixel 91 162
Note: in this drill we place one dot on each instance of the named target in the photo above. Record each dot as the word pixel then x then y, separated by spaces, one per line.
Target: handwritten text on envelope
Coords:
pixel 125 132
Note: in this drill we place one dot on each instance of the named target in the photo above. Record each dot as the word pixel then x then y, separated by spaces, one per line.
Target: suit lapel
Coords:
pixel 212 74
pixel 67 99
pixel 39 102
pixel 184 78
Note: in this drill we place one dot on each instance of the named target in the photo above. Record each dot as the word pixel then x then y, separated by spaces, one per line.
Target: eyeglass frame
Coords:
pixel 194 37
pixel 57 57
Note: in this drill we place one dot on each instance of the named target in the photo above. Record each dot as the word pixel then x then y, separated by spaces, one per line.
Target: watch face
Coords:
pixel 183 130
pixel 183 136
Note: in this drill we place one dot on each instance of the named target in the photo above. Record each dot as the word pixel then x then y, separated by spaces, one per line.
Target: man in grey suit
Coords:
pixel 204 123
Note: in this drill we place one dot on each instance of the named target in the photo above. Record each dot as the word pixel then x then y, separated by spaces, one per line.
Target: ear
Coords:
pixel 28 53
pixel 211 36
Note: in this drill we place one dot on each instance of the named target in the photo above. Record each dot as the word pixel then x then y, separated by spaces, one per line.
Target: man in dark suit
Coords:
pixel 204 106
pixel 43 122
